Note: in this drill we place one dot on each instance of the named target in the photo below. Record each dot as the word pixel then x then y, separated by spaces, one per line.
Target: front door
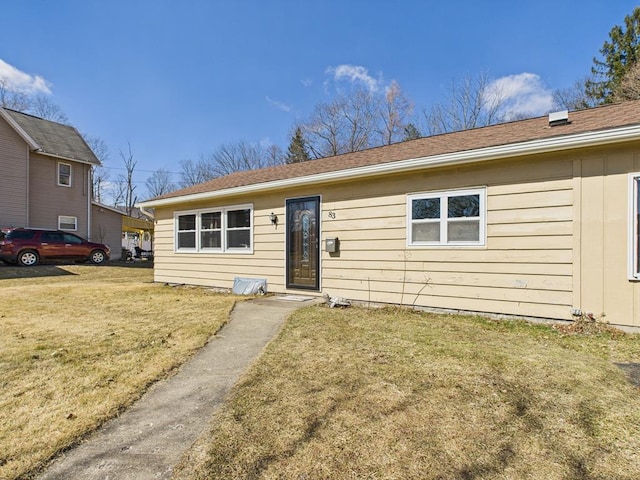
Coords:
pixel 303 232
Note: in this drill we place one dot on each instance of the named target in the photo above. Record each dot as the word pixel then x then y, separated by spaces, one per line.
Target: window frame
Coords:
pixel 633 243
pixel 444 219
pixel 224 229
pixel 75 222
pixel 62 184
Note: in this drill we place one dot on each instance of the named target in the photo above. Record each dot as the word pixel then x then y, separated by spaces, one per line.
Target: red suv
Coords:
pixel 28 247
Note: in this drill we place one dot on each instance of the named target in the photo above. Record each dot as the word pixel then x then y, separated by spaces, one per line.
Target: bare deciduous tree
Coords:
pixel 471 103
pixel 229 158
pixel 159 183
pixel 629 86
pixel 395 110
pixel 573 98
pixel 13 99
pixel 100 176
pixel 125 187
pixel 43 107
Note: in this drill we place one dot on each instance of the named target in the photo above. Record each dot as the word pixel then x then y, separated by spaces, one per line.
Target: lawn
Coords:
pixel 78 344
pixel 397 394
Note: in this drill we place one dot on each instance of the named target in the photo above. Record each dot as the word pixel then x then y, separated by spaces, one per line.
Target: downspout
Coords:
pixel 89 197
pixel 28 180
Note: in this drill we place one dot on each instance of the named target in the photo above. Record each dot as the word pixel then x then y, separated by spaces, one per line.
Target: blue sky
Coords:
pixel 176 79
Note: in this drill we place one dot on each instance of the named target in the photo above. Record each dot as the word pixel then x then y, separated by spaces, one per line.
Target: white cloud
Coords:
pixel 524 93
pixel 354 73
pixel 17 80
pixel 282 106
pixel 306 82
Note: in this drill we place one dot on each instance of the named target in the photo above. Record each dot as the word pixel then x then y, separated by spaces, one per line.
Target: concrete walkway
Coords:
pixel 148 439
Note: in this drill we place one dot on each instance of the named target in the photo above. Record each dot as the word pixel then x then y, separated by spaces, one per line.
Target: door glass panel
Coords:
pixel 302 243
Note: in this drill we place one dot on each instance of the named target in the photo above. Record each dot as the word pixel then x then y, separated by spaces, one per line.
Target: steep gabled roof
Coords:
pixel 50 138
pixel 597 126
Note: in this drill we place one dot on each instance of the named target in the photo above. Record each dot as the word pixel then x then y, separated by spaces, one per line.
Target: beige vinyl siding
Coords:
pixel 524 269
pixel 48 200
pixel 602 236
pixel 106 227
pixel 14 154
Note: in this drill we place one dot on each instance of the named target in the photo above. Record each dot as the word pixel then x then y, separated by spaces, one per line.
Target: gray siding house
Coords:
pixel 46 175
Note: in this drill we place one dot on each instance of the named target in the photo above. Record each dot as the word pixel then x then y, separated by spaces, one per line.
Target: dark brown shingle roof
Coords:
pixel 55 138
pixel 583 121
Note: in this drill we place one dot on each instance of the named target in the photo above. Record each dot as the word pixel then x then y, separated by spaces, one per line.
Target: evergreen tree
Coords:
pixel 618 57
pixel 411 132
pixel 297 151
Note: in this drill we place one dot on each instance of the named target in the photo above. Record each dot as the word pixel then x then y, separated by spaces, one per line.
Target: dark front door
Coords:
pixel 303 231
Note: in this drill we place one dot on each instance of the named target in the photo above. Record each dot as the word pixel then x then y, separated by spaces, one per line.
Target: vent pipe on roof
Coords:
pixel 559 118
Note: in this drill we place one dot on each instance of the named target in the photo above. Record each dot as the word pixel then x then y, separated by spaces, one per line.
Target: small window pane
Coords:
pixel 210 239
pixel 68 238
pixel 186 239
pixel 464 206
pixel 239 239
pixel 464 231
pixel 187 222
pixel 211 221
pixel 64 174
pixel 239 218
pixel 67 223
pixel 424 208
pixel 426 232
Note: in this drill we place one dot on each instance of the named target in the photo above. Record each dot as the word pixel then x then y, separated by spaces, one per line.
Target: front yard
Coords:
pixel 80 343
pixel 395 394
pixel 354 393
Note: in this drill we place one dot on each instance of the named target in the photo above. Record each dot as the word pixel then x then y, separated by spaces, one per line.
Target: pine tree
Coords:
pixel 297 151
pixel 619 56
pixel 411 132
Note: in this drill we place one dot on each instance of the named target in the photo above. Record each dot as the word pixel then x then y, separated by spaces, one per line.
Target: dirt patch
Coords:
pixel 632 370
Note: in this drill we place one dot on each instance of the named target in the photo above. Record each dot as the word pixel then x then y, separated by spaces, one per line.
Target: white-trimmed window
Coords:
pixel 634 226
pixel 67 223
pixel 64 174
pixel 227 229
pixel 451 218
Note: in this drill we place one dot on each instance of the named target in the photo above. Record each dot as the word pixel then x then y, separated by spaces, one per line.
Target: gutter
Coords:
pixel 581 140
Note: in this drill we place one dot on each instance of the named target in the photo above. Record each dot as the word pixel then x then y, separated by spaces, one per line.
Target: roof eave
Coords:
pixel 19 130
pixel 546 145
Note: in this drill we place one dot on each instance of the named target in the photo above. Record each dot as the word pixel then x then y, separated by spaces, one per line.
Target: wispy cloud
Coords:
pixel 17 80
pixel 280 105
pixel 354 74
pixel 306 82
pixel 523 93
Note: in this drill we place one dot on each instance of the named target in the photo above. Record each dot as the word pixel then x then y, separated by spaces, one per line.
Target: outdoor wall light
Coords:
pixel 274 218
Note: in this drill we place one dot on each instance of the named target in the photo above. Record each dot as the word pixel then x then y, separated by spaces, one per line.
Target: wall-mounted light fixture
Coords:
pixel 274 218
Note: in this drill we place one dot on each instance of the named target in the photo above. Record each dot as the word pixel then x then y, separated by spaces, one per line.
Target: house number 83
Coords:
pixel 332 215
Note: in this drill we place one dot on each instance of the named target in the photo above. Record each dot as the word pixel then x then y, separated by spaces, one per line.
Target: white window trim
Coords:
pixel 482 240
pixel 632 227
pixel 223 231
pixel 75 221
pixel 70 174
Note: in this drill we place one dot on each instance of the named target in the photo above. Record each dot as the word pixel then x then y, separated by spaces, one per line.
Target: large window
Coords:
pixel 452 218
pixel 634 226
pixel 215 230
pixel 64 174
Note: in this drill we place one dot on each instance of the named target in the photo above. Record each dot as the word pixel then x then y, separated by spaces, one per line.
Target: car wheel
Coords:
pixel 28 258
pixel 97 257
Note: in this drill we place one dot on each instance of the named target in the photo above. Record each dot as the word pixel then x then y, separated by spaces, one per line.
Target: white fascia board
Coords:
pixel 554 144
pixel 65 159
pixel 19 130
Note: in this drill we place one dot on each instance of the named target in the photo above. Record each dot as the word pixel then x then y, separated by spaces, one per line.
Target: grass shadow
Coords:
pixel 9 272
pixel 632 371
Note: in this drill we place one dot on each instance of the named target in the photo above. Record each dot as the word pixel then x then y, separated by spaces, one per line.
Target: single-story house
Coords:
pixel 534 218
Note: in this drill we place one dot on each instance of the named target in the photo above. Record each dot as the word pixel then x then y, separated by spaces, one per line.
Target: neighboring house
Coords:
pixel 534 218
pixel 106 227
pixel 46 175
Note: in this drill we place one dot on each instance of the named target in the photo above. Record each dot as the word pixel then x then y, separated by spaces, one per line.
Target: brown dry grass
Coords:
pixel 395 394
pixel 80 343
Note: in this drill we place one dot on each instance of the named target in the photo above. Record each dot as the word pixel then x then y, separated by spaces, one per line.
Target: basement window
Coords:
pixel 447 218
pixel 220 230
pixel 67 223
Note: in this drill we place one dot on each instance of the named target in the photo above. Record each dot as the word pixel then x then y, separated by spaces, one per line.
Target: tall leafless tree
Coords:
pixel 159 183
pixel 472 102
pixel 125 186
